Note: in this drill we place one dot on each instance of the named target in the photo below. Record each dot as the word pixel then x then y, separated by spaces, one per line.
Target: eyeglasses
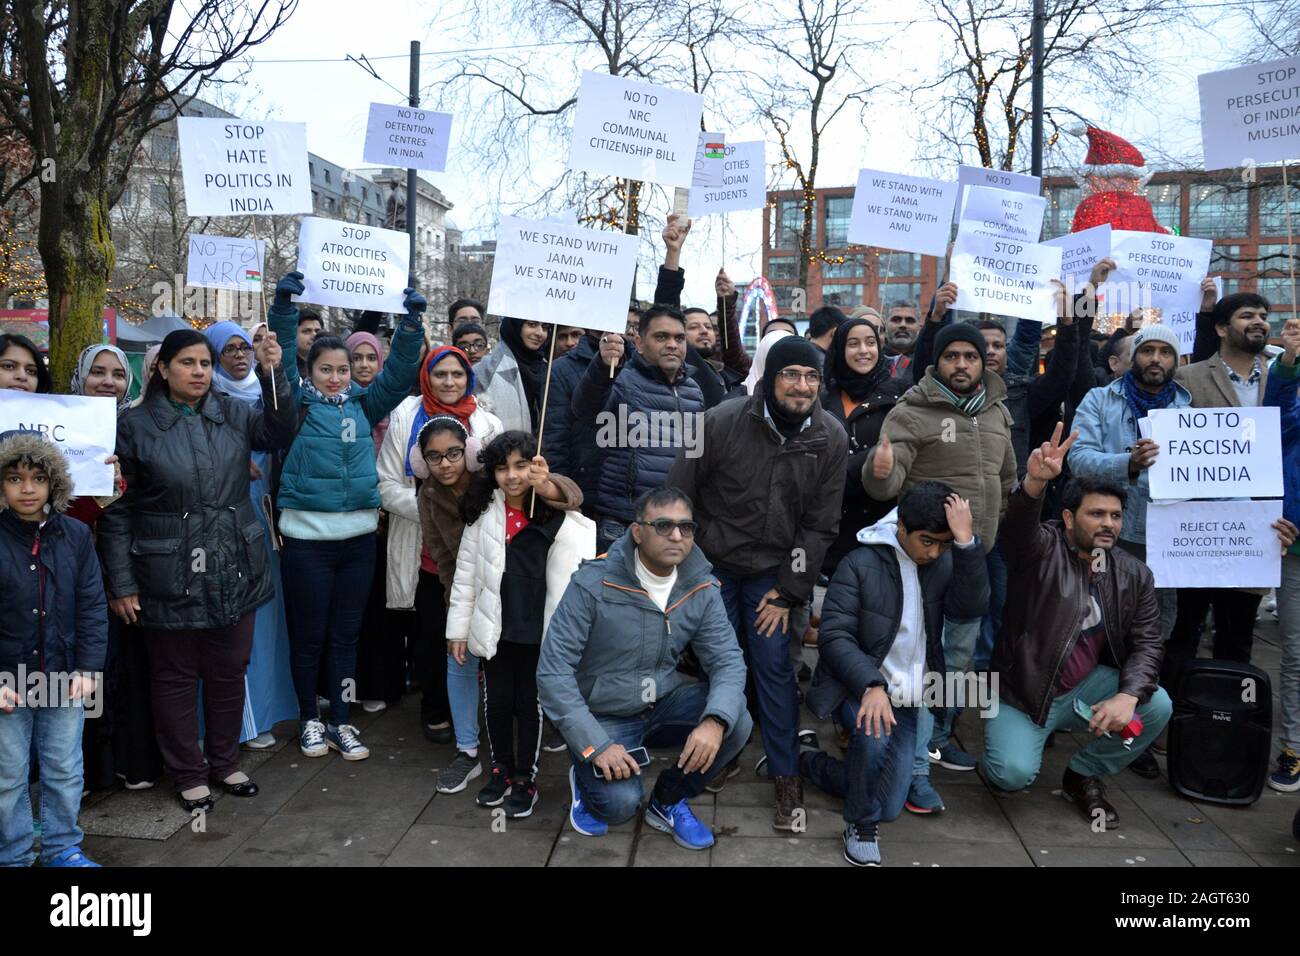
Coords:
pixel 453 455
pixel 475 346
pixel 792 376
pixel 664 527
pixel 241 349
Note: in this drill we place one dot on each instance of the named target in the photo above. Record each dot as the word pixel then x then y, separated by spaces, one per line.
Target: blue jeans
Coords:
pixel 325 588
pixel 1013 743
pixel 772 687
pixel 959 640
pixel 462 694
pixel 56 733
pixel 874 778
pixel 667 724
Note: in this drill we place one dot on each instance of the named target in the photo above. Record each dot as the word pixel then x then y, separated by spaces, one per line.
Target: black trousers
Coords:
pixel 1234 628
pixel 429 649
pixel 381 648
pixel 510 697
pixel 122 739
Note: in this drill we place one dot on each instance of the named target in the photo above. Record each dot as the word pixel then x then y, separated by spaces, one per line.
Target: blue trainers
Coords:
pixel 1286 777
pixel 344 739
pixel 72 856
pixel 582 821
pixel 921 796
pixel 952 757
pixel 688 832
pixel 861 847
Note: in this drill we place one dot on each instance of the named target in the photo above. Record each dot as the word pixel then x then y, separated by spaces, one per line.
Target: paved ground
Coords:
pixel 384 811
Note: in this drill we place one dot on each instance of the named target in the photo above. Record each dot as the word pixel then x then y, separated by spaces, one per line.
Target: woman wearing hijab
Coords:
pixel 268 683
pixel 755 377
pixel 447 379
pixel 367 362
pixel 859 394
pixel 512 378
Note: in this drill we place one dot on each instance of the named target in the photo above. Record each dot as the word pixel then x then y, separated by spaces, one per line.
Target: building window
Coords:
pixel 327 175
pixel 783 267
pixel 838 210
pixel 843 296
pixel 1061 203
pixel 330 204
pixel 1225 259
pixel 788 222
pixel 158 195
pixel 163 148
pixel 1166 203
pixel 1272 210
pixel 315 199
pixel 126 197
pixel 902 293
pixel 311 169
pixel 853 267
pixel 899 264
pixel 1277 289
pixel 369 220
pixel 784 299
pixel 1218 211
pixel 365 194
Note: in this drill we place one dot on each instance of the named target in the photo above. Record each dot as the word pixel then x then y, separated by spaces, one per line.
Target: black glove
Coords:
pixel 414 303
pixel 288 287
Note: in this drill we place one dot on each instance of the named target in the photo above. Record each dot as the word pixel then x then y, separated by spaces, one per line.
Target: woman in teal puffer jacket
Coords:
pixel 329 511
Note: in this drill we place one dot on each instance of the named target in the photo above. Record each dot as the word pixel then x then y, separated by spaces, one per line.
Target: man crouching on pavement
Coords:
pixel 881 635
pixel 1081 632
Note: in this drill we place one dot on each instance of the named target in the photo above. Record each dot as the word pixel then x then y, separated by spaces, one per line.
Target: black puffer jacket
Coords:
pixel 184 536
pixel 569 444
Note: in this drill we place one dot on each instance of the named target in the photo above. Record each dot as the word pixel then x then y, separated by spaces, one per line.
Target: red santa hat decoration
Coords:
pixel 1111 179
pixel 1110 156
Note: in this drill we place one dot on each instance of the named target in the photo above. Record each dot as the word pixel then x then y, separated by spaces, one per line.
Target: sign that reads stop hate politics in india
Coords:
pixel 635 130
pixel 232 168
pixel 552 272
pixel 1251 114
pixel 905 213
pixel 408 137
pixel 351 266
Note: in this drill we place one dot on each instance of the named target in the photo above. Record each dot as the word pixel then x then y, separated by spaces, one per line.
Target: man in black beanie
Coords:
pixel 767 484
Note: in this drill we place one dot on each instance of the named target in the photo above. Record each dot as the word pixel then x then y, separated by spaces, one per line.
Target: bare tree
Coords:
pixel 82 83
pixel 1276 24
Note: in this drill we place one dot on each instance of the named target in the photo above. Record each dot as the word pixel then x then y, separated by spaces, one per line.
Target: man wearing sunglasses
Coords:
pixel 608 677
pixel 768 484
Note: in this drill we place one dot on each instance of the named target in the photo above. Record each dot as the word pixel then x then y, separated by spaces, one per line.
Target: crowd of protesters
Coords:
pixel 286 541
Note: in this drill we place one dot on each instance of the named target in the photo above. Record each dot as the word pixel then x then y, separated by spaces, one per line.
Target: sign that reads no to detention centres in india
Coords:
pixel 408 137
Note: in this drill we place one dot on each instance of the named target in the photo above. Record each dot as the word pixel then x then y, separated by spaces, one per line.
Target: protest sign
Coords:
pixel 994 179
pixel 224 262
pixel 231 167
pixel 1216 453
pixel 82 427
pixel 1214 544
pixel 555 273
pixel 1154 270
pixel 635 130
pixel 408 137
pixel 906 213
pixel 710 152
pixel 743 182
pixel 1005 277
pixel 1251 114
pixel 1080 251
pixel 351 266
pixel 1001 214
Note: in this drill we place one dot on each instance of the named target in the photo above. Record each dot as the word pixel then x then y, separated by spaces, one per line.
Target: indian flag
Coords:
pixel 715 150
pixel 252 275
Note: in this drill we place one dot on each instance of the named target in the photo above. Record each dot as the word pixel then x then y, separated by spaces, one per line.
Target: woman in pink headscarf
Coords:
pixel 367 360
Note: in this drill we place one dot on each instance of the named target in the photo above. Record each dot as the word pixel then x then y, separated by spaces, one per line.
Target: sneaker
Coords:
pixel 344 739
pixel 261 742
pixel 579 818
pixel 134 784
pixel 494 791
pixel 935 754
pixel 952 757
pixel 523 797
pixel 72 856
pixel 861 847
pixel 720 779
pixel 687 832
pixel 807 741
pixel 1287 775
pixel 459 773
pixel 311 739
pixel 922 798
pixel 373 706
pixel 552 742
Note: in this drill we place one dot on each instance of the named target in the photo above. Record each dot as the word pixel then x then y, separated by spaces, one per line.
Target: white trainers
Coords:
pixel 261 742
pixel 373 706
pixel 311 741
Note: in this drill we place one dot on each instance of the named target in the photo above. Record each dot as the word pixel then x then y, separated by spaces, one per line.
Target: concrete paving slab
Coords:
pixel 1130 857
pixel 458 846
pixel 318 840
pixel 573 849
pixel 1046 818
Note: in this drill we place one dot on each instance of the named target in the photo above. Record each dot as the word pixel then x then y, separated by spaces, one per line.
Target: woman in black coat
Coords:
pixel 184 553
pixel 859 394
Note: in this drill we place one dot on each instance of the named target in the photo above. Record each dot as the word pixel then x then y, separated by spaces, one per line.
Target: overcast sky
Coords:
pixel 332 97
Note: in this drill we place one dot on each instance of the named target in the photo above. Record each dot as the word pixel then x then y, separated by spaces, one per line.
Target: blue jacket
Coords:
pixel 1280 392
pixel 608 644
pixel 1107 433
pixel 570 445
pixel 331 464
pixel 640 390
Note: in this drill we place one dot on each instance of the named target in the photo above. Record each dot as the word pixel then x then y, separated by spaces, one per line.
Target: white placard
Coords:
pixel 1214 544
pixel 1002 214
pixel 351 266
pixel 82 427
pixel 1080 251
pixel 1216 453
pixel 407 136
pixel 743 186
pixel 1154 270
pixel 710 154
pixel 635 130
pixel 1251 114
pixel 1005 277
pixel 234 167
pixel 224 262
pixel 549 272
pixel 906 213
pixel 994 179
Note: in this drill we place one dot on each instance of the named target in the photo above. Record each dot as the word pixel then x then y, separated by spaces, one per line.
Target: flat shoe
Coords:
pixel 202 803
pixel 245 789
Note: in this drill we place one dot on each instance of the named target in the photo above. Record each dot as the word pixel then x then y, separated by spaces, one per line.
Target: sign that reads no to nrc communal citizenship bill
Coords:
pixel 1216 453
pixel 556 273
pixel 235 167
pixel 352 266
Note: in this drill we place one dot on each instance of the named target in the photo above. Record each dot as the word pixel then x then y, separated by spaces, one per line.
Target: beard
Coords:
pixel 705 351
pixel 1243 343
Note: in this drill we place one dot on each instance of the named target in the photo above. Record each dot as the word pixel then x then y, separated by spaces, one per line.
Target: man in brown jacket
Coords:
pixel 1081 627
pixel 767 489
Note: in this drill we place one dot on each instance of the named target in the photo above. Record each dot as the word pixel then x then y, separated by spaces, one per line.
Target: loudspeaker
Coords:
pixel 1219 732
